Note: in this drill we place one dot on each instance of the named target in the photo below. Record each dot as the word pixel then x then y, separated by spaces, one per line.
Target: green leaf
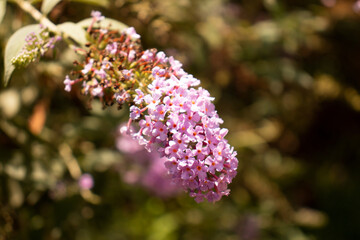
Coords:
pixel 103 3
pixel 2 9
pixel 107 22
pixel 75 31
pixel 48 5
pixel 13 47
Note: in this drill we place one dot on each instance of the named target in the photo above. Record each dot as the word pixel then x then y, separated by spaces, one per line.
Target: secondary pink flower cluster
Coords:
pixel 36 45
pixel 144 168
pixel 176 117
pixel 180 121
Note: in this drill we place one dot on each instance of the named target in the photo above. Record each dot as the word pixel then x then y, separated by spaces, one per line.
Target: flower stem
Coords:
pixel 42 19
pixel 27 7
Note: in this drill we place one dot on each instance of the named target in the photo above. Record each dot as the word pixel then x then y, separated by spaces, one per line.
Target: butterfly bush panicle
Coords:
pixel 172 114
pixel 36 45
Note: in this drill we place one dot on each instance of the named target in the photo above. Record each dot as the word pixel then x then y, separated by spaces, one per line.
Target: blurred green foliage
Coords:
pixel 285 78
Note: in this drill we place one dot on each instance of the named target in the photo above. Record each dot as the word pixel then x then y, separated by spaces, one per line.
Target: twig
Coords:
pixel 75 172
pixel 70 161
pixel 27 7
pixel 42 19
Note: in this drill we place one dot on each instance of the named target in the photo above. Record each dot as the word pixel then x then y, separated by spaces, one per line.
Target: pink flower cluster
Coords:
pixel 181 123
pixel 176 117
pixel 106 72
pixel 37 44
